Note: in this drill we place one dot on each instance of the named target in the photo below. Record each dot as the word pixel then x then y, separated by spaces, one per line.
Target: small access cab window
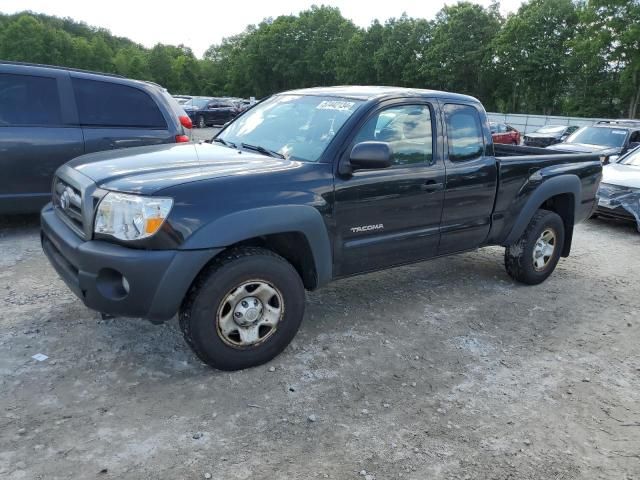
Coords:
pixel 464 133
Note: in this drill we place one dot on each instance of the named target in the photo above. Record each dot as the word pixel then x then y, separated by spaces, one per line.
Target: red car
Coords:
pixel 503 133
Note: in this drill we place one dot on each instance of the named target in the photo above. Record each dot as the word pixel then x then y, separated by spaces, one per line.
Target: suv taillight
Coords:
pixel 182 138
pixel 185 121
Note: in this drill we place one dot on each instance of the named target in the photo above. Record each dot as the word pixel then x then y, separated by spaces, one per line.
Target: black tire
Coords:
pixel 518 258
pixel 199 312
pixel 200 123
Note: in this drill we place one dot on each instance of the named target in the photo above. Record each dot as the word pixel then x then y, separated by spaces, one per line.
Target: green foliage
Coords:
pixel 532 52
pixel 571 57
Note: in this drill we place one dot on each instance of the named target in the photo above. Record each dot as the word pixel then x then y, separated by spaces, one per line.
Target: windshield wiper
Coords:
pixel 264 151
pixel 224 142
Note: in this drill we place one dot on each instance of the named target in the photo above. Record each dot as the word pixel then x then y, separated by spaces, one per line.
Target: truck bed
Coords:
pixel 504 151
pixel 521 172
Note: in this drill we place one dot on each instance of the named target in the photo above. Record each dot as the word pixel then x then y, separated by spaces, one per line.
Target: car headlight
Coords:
pixel 131 217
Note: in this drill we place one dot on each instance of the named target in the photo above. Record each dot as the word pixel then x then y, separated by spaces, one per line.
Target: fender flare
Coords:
pixel 243 225
pixel 551 187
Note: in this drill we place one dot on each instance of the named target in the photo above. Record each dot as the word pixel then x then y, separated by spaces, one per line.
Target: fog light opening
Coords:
pixel 112 284
pixel 125 284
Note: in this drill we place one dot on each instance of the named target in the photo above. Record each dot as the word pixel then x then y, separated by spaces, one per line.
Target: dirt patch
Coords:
pixel 441 370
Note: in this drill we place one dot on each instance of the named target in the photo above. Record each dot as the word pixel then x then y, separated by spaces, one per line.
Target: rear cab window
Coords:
pixel 29 100
pixel 106 104
pixel 464 132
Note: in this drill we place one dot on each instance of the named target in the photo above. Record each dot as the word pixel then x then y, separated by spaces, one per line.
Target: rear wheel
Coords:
pixel 534 256
pixel 243 310
pixel 200 122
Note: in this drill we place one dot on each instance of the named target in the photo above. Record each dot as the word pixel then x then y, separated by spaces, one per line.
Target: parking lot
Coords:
pixel 199 134
pixel 440 370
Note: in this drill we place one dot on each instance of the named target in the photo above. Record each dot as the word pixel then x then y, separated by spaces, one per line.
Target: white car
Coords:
pixel 619 194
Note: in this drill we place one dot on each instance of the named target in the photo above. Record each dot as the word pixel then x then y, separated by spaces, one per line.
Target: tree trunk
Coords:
pixel 635 98
pixel 633 111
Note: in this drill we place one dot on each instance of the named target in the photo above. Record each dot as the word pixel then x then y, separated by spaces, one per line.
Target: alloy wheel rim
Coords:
pixel 249 314
pixel 544 249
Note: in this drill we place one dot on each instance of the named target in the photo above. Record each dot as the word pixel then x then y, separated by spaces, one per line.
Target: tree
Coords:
pixel 160 65
pixel 610 39
pixel 575 57
pixel 403 46
pixel 531 55
pixel 459 58
pixel 23 40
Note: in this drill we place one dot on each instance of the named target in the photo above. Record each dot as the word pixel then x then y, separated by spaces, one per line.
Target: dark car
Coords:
pixel 304 188
pixel 242 104
pixel 505 134
pixel 619 193
pixel 49 115
pixel 205 111
pixel 607 138
pixel 549 135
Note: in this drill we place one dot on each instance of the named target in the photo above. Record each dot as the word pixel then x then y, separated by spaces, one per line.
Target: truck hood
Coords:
pixel 585 148
pixel 146 170
pixel 621 175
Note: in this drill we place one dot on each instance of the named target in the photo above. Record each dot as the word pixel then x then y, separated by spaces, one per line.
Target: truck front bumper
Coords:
pixel 118 280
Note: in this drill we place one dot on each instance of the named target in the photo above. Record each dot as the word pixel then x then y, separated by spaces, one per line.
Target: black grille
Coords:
pixel 538 141
pixel 67 199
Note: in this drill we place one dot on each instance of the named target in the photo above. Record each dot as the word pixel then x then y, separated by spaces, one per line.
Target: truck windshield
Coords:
pixel 299 127
pixel 611 137
pixel 632 159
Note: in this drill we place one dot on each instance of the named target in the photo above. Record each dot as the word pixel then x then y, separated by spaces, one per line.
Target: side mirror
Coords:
pixel 370 155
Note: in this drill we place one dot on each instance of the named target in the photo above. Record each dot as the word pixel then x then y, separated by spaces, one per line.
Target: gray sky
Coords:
pixel 199 23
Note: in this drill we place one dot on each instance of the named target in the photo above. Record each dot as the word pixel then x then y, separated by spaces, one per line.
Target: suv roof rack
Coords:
pixel 627 122
pixel 56 67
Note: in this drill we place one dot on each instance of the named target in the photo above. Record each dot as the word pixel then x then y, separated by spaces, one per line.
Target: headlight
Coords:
pixel 131 217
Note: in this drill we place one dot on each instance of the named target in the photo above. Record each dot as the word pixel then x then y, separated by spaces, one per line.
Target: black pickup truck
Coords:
pixel 306 187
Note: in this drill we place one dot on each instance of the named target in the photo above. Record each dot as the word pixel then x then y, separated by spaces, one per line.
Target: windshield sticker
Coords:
pixel 335 105
pixel 619 132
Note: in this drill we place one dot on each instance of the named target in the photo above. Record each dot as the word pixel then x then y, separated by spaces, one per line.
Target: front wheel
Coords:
pixel 534 256
pixel 243 310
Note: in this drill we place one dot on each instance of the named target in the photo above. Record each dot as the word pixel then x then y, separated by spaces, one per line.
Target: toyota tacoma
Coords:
pixel 307 187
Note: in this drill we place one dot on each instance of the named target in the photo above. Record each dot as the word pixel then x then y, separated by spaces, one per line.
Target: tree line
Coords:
pixel 564 57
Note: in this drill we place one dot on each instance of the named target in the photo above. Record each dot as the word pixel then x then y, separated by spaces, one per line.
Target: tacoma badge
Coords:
pixel 367 228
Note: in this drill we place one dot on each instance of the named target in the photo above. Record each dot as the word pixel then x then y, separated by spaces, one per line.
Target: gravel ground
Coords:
pixel 440 370
pixel 198 134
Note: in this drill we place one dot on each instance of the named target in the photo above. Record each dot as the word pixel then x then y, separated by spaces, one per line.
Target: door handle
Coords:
pixel 431 186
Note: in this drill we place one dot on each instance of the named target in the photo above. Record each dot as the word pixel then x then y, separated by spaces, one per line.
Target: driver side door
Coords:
pixel 391 216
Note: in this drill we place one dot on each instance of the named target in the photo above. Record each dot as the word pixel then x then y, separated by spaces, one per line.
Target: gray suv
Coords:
pixel 49 115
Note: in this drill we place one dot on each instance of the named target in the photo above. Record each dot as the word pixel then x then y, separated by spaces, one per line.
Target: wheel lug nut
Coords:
pixel 244 304
pixel 238 314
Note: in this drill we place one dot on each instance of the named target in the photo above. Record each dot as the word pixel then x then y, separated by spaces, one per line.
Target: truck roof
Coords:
pixel 359 92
